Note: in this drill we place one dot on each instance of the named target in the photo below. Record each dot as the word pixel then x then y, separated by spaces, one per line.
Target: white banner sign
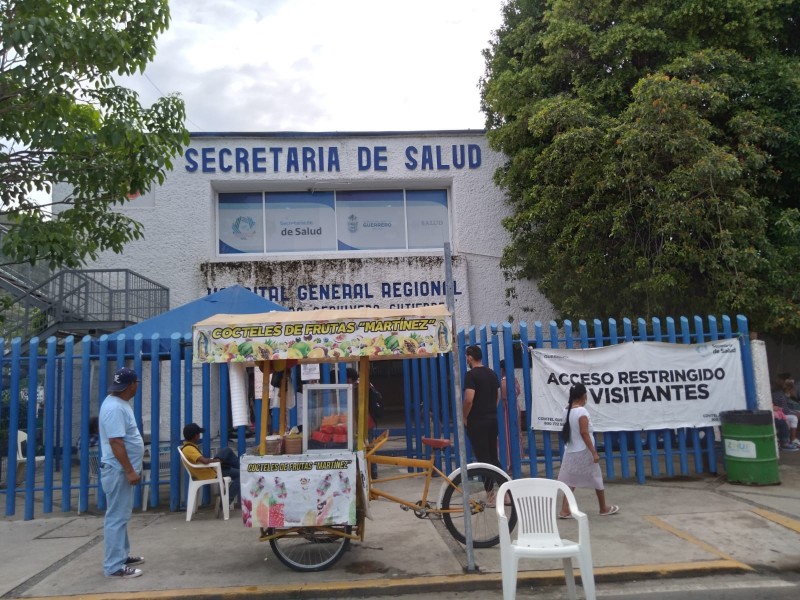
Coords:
pixel 640 385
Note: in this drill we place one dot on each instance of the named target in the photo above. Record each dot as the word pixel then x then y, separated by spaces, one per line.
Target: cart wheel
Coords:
pixel 485 531
pixel 311 548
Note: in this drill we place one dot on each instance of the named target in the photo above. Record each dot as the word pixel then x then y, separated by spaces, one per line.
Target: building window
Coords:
pixel 300 222
pixel 241 223
pixel 327 221
pixel 428 221
pixel 372 220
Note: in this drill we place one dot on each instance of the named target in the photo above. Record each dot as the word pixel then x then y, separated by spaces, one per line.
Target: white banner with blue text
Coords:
pixel 640 385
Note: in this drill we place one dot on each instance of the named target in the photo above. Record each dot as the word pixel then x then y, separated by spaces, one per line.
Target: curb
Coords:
pixel 400 587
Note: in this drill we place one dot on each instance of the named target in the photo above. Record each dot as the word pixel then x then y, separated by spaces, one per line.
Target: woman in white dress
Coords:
pixel 580 466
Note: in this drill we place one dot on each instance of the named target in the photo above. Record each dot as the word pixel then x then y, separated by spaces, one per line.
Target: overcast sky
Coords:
pixel 324 65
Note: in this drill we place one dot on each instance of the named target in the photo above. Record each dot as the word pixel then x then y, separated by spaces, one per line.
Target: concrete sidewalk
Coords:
pixel 666 528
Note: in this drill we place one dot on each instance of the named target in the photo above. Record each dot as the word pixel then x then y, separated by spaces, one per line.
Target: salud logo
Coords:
pixel 244 227
pixel 352 223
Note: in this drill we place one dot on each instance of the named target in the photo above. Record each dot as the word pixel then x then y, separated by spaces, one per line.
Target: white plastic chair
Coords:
pixel 22 436
pixel 196 484
pixel 536 504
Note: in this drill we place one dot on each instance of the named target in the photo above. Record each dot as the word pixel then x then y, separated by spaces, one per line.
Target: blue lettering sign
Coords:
pixel 223 165
pixel 191 160
pixel 292 162
pixel 208 160
pixel 276 152
pixel 364 158
pixel 411 160
pixel 474 156
pixel 380 158
pixel 241 160
pixel 440 164
pixel 259 160
pixel 309 160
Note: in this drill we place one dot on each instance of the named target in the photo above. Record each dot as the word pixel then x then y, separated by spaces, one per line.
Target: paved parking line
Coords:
pixel 787 522
pixel 697 542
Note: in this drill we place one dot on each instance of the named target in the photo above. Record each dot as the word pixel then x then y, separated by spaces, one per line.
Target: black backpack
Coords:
pixel 375 403
pixel 275 380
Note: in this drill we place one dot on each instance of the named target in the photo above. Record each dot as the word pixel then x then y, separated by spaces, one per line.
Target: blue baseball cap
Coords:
pixel 122 379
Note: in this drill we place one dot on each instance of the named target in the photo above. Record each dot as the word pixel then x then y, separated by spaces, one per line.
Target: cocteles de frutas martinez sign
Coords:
pixel 640 385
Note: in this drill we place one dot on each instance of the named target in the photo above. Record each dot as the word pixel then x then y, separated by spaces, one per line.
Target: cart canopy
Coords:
pixel 324 335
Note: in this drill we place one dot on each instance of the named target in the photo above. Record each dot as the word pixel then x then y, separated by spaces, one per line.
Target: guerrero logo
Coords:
pixel 244 228
pixel 352 223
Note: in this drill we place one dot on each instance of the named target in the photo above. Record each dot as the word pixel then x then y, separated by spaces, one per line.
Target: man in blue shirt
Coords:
pixel 122 451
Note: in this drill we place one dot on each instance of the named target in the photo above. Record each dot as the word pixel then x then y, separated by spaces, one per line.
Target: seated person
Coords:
pixel 782 430
pixel 225 456
pixel 782 398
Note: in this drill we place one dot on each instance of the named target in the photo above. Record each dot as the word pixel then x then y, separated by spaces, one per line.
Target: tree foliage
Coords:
pixel 652 155
pixel 64 119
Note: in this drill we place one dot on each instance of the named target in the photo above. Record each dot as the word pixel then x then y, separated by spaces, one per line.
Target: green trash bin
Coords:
pixel 748 438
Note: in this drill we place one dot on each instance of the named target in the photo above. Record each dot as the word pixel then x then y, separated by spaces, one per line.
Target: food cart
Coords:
pixel 310 505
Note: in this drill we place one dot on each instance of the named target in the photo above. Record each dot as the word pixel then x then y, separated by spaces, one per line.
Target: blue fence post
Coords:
pixel 407 399
pixel 493 363
pixel 66 463
pixel 30 453
pixel 415 408
pixel 511 395
pixel 86 371
pixel 547 436
pixel 436 403
pixel 425 403
pixel 13 427
pixel 186 357
pixel 174 421
pixel 48 434
pixel 138 340
pixel 447 422
pixel 155 417
pixel 526 390
pixel 747 362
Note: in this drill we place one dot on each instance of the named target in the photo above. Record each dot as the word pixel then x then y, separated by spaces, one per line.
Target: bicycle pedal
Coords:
pixel 405 508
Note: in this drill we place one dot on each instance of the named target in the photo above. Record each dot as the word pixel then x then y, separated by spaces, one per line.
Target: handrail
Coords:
pixel 114 296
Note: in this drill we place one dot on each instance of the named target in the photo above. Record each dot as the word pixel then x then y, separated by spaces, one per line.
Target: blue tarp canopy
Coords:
pixel 232 300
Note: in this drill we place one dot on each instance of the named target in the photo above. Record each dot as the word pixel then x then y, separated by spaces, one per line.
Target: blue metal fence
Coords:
pixel 64 385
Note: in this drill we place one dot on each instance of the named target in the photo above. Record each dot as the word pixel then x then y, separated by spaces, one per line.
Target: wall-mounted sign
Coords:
pixel 320 336
pixel 328 159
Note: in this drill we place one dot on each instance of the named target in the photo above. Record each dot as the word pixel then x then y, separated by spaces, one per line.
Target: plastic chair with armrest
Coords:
pixel 536 504
pixel 196 484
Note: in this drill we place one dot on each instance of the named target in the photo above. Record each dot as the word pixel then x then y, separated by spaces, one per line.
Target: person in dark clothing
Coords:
pixel 481 397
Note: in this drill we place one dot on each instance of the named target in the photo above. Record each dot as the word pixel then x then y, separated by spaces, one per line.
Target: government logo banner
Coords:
pixel 640 385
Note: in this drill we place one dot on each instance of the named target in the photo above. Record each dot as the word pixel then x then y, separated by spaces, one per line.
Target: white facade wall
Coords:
pixel 180 249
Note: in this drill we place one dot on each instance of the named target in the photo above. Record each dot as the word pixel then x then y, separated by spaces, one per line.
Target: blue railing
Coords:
pixel 63 384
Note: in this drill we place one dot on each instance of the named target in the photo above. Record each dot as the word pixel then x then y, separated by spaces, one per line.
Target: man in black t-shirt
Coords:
pixel 481 396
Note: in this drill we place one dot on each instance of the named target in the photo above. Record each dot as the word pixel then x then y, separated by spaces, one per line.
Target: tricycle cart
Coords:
pixel 310 505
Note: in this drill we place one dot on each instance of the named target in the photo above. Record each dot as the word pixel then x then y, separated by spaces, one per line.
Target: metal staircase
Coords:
pixel 76 302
